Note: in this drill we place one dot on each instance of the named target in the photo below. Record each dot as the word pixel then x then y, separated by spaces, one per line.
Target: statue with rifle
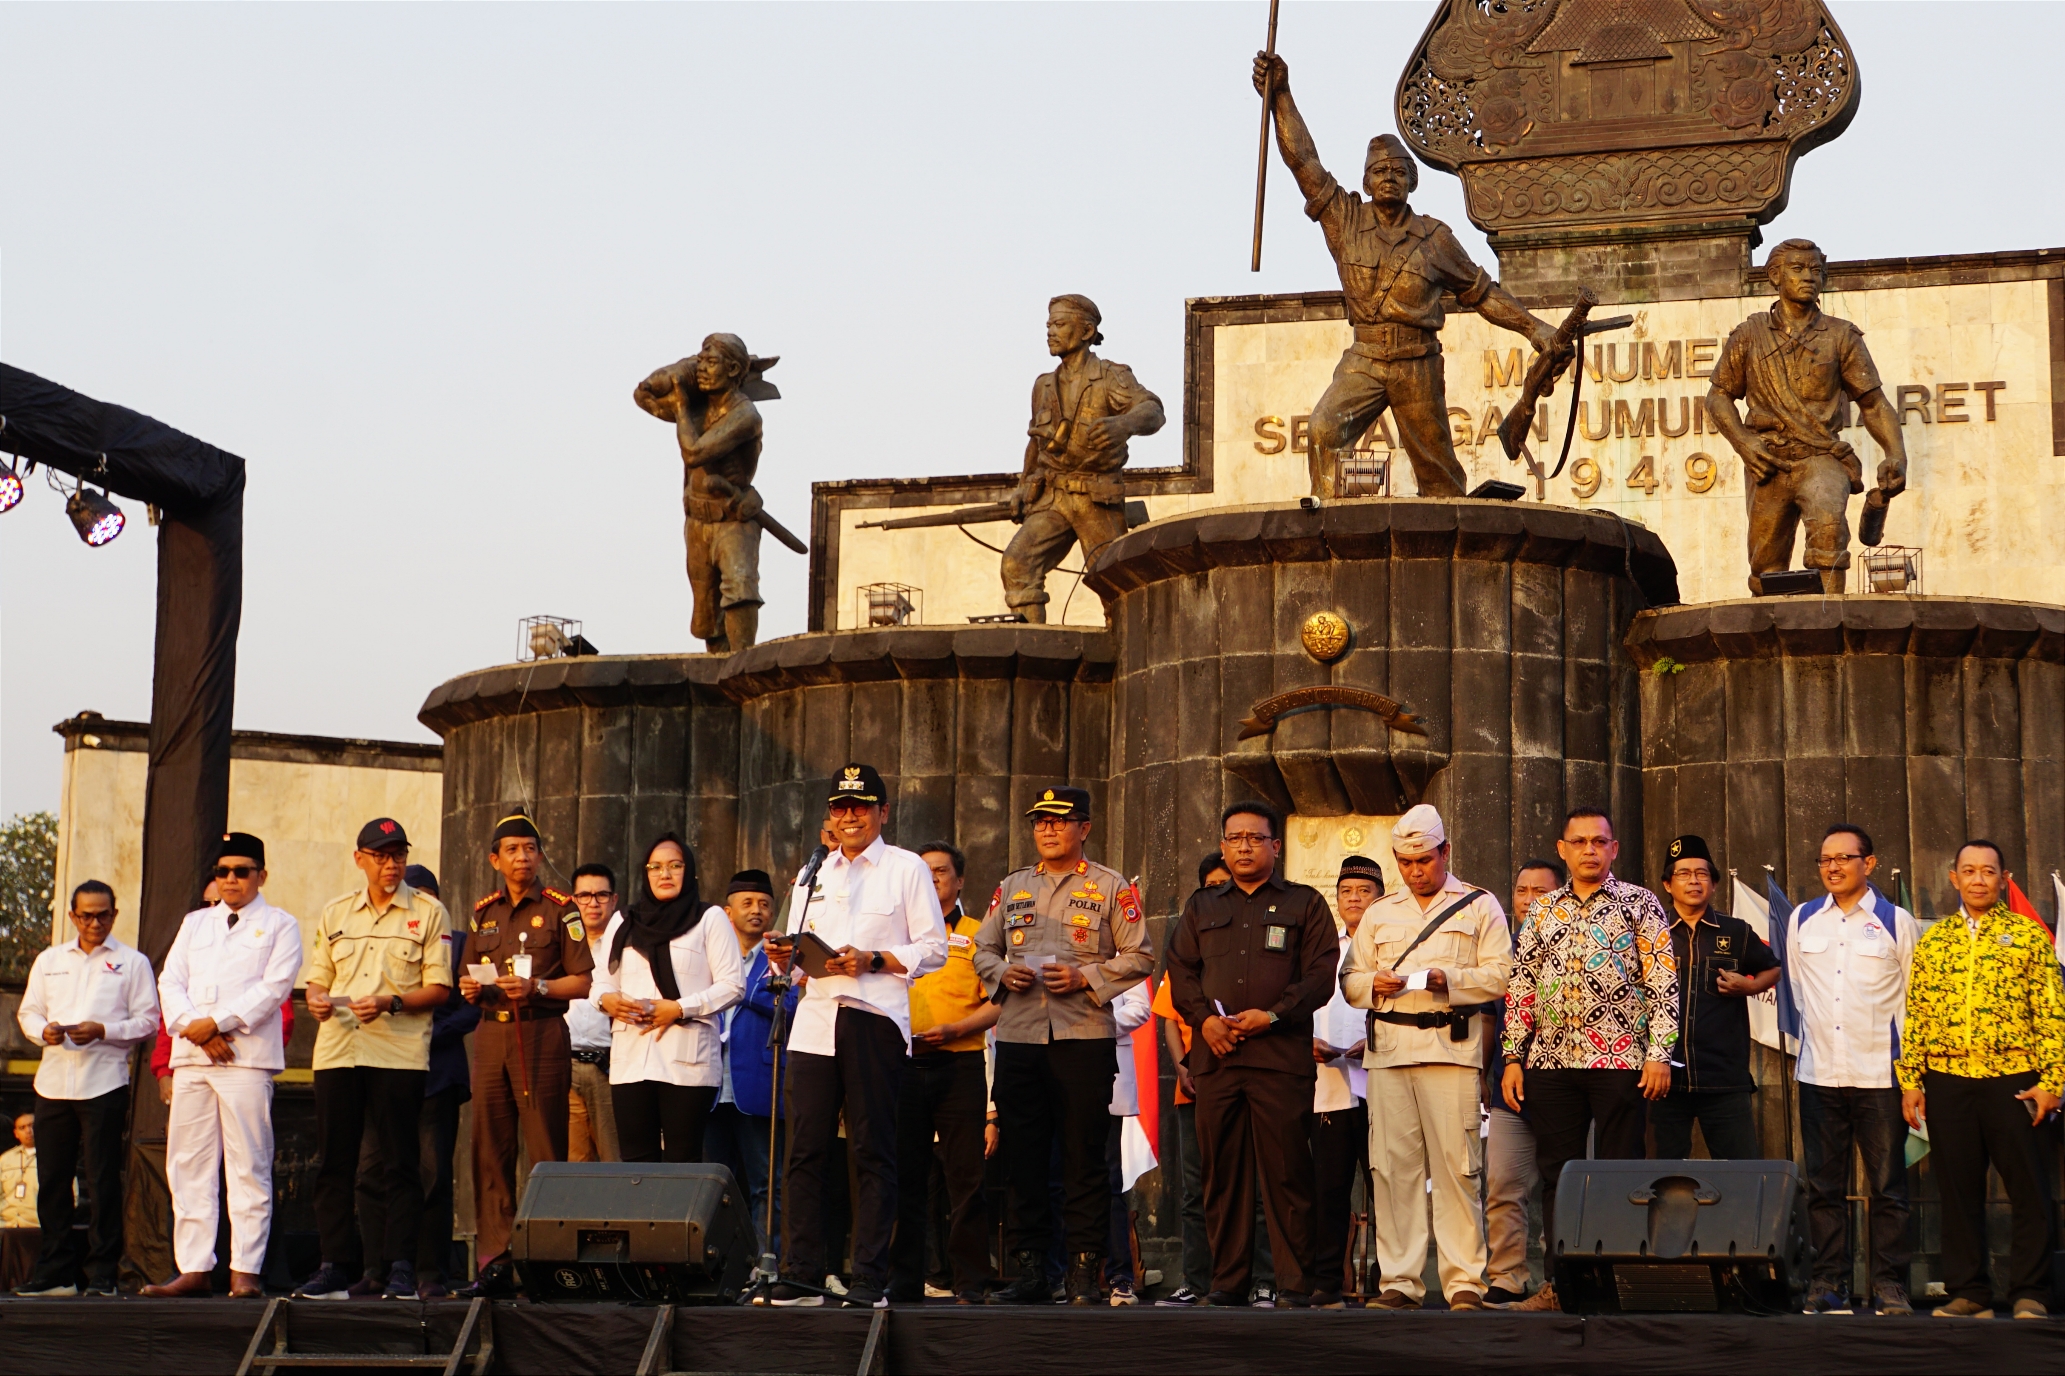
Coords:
pixel 1394 267
pixel 709 400
pixel 1083 413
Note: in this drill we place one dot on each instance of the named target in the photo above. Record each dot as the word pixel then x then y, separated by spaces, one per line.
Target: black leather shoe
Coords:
pixel 1031 1285
pixel 1085 1282
pixel 497 1281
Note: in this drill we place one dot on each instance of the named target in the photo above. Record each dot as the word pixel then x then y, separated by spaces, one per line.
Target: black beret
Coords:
pixel 244 844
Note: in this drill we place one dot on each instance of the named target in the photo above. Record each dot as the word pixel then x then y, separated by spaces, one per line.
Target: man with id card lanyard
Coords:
pixel 1428 961
pixel 875 906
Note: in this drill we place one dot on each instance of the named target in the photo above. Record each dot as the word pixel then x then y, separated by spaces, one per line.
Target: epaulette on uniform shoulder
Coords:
pixel 559 896
pixel 482 905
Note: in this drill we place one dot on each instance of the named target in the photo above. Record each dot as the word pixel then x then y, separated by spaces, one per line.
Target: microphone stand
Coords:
pixel 768 1273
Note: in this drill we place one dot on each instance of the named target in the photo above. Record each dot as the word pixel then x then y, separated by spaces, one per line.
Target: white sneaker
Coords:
pixel 935 1292
pixel 835 1285
pixel 1122 1295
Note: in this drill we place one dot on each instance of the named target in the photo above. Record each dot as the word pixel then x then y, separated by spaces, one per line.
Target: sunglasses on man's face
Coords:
pixel 235 871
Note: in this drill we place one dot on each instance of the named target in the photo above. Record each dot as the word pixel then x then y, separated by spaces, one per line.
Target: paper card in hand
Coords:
pixel 812 951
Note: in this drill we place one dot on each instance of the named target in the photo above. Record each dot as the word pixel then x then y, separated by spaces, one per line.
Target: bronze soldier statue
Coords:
pixel 1394 265
pixel 1082 415
pixel 1800 370
pixel 709 399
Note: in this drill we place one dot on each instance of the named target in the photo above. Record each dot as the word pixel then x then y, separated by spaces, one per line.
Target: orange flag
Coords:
pixel 2018 902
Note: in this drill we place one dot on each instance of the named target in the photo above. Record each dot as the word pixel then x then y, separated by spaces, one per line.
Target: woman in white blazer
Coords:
pixel 673 967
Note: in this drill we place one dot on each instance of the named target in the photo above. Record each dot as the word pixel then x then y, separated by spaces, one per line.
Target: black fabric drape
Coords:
pixel 199 491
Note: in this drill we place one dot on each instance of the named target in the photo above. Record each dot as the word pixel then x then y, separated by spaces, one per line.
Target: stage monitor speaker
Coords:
pixel 1679 1236
pixel 635 1231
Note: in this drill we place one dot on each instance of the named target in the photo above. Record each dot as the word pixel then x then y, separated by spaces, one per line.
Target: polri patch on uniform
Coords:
pixel 1129 903
pixel 1018 938
pixel 1276 938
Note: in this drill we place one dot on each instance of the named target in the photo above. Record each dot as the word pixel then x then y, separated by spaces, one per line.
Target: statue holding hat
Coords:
pixel 1083 413
pixel 710 401
pixel 1394 266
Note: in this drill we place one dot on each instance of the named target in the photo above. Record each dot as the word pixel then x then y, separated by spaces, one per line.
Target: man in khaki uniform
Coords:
pixel 1430 993
pixel 1064 938
pixel 381 961
pixel 1082 415
pixel 523 1056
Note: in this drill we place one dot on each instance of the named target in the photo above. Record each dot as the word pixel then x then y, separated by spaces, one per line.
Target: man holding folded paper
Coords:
pixel 1429 961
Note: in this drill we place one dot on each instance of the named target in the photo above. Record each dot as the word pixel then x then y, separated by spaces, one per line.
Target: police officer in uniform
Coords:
pixel 1063 939
pixel 523 1060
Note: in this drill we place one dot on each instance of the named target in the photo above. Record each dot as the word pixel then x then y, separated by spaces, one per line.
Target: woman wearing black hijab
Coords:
pixel 673 967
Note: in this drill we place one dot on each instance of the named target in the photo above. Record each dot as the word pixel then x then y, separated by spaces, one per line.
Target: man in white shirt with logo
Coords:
pixel 88 1002
pixel 876 906
pixel 1846 959
pixel 229 970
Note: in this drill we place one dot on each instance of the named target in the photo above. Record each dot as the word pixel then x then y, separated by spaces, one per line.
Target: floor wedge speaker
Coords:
pixel 1679 1237
pixel 633 1231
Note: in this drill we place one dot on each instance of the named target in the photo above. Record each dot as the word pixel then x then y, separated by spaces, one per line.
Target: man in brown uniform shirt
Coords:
pixel 519 1083
pixel 1251 962
pixel 1394 265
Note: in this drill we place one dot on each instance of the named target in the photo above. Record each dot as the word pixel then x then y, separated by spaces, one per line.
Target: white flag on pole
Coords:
pixel 2058 936
pixel 1751 908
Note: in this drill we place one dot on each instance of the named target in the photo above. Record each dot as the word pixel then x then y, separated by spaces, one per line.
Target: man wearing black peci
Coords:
pixel 1251 961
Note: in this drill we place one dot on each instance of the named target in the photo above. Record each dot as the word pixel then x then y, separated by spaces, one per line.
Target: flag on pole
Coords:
pixel 1763 1008
pixel 2058 941
pixel 1781 916
pixel 1905 896
pixel 1140 1133
pixel 2018 902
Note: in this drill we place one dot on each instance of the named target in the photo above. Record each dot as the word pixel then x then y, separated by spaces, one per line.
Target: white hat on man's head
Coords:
pixel 1419 832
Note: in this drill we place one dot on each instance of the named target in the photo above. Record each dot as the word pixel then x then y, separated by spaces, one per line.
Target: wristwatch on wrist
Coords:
pixel 394 1005
pixel 875 962
pixel 538 988
pixel 1272 1019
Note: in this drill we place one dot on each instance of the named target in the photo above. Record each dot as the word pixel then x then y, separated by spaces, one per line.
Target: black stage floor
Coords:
pixel 176 1337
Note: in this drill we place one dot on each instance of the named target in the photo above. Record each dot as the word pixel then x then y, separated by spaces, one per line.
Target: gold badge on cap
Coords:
pixel 1048 797
pixel 1677 849
pixel 853 771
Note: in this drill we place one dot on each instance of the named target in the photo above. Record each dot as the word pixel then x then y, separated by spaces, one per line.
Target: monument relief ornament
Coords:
pixel 1325 636
pixel 1571 112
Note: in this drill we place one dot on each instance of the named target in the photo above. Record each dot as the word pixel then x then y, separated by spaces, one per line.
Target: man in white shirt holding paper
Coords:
pixel 229 970
pixel 875 905
pixel 88 1002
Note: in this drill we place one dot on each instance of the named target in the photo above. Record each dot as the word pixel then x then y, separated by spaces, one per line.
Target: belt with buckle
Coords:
pixel 600 1058
pixel 1456 1020
pixel 1398 342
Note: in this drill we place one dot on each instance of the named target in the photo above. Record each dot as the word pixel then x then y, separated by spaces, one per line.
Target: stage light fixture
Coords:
pixel 98 520
pixel 10 487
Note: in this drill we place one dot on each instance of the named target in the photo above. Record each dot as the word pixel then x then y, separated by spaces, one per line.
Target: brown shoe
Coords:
pixel 1466 1300
pixel 1542 1301
pixel 245 1286
pixel 186 1285
pixel 1394 1299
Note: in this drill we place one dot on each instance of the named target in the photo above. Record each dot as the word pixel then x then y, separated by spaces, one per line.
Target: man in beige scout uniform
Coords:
pixel 1063 938
pixel 382 960
pixel 1429 960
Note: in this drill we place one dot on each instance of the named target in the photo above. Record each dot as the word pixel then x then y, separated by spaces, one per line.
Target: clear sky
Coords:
pixel 409 261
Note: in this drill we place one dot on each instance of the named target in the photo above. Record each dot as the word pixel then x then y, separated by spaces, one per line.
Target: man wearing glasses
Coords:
pixel 1846 958
pixel 523 1060
pixel 229 970
pixel 1251 961
pixel 591 1116
pixel 1063 938
pixel 381 962
pixel 87 1002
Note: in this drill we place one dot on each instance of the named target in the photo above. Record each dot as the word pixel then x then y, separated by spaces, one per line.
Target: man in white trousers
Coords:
pixel 1430 962
pixel 229 970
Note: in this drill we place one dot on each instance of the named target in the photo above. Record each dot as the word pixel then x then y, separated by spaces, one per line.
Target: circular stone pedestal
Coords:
pixel 1498 625
pixel 1925 720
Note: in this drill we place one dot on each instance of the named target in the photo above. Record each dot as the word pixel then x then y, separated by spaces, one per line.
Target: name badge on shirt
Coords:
pixel 21 1189
pixel 958 942
pixel 1276 938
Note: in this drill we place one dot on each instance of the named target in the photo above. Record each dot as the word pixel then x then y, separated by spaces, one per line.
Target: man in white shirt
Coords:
pixel 591 1129
pixel 88 1002
pixel 1430 961
pixel 1846 959
pixel 875 905
pixel 1340 1119
pixel 229 970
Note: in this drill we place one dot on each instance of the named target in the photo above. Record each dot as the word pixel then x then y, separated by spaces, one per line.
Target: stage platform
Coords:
pixel 178 1337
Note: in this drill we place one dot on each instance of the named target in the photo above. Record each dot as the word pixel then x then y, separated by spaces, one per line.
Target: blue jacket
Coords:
pixel 450 1021
pixel 752 1059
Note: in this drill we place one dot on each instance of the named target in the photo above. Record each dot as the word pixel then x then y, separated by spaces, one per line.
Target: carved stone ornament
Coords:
pixel 1565 113
pixel 1262 717
pixel 1324 636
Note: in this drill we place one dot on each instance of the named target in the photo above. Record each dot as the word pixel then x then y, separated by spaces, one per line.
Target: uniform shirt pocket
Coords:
pixel 1814 944
pixel 404 961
